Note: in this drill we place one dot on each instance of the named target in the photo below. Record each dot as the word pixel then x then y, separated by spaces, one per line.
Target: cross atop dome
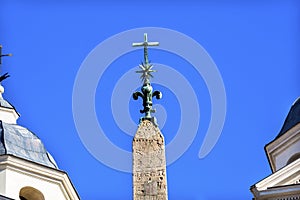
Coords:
pixel 2 55
pixel 6 75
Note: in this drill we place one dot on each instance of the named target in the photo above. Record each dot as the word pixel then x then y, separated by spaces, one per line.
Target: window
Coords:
pixel 293 158
pixel 30 193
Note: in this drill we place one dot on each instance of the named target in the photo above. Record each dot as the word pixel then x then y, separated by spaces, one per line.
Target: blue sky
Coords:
pixel 254 44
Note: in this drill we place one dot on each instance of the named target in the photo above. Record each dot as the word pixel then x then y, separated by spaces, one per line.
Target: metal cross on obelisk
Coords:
pixel 146 70
pixel 146 66
pixel 4 76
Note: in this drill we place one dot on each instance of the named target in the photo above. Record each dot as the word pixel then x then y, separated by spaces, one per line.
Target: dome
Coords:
pixel 19 141
pixel 292 119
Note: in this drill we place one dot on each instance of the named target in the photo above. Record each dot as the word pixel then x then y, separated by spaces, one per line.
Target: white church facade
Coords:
pixel 284 158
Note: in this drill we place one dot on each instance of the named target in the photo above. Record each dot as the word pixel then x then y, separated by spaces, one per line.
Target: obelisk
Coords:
pixel 148 146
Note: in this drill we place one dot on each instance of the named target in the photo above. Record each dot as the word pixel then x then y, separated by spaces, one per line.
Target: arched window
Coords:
pixel 293 158
pixel 30 193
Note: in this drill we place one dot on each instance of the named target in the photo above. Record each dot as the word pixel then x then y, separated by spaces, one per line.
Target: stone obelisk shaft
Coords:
pixel 149 163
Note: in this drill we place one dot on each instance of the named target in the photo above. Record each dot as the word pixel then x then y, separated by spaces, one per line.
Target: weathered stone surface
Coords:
pixel 149 163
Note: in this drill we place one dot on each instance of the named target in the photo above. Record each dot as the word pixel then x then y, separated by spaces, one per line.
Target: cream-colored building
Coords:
pixel 284 157
pixel 27 170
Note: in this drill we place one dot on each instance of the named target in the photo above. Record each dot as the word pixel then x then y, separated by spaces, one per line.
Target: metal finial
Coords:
pixel 146 67
pixel 6 75
pixel 146 70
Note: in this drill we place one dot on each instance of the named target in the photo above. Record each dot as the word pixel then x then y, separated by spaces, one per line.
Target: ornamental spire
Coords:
pixel 146 70
pixel 146 67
